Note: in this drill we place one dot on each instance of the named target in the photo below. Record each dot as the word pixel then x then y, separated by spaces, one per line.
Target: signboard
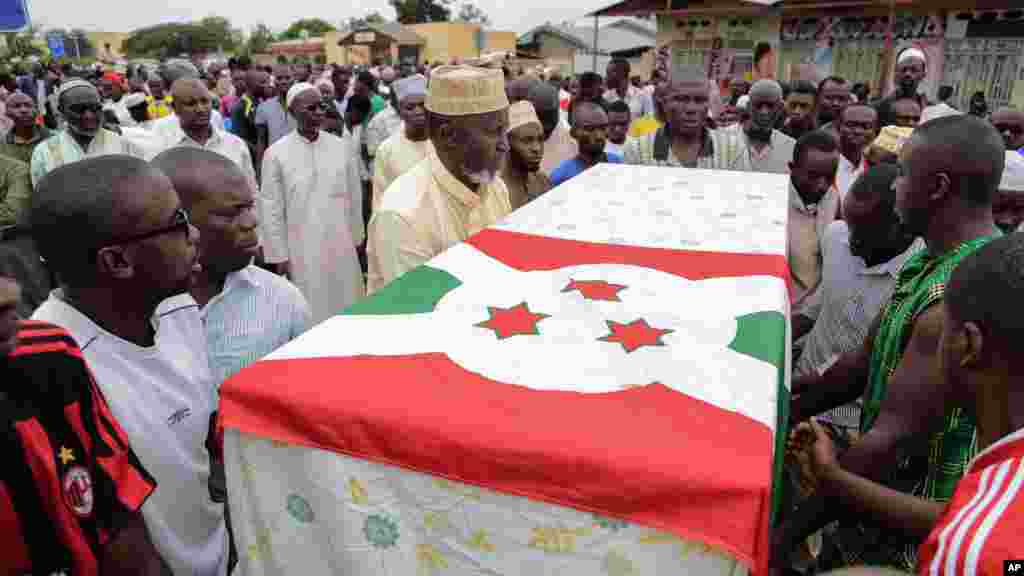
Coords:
pixel 365 37
pixel 13 15
pixel 480 39
pixel 56 45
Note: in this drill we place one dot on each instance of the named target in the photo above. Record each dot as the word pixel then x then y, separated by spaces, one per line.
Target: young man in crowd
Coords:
pixel 861 259
pixel 813 206
pixel 84 137
pixel 407 147
pixel 619 89
pixel 559 144
pixel 521 171
pixel 590 130
pixel 247 311
pixel 72 487
pixel 858 127
pixel 979 529
pixel 271 119
pixel 159 100
pixel 193 106
pixel 800 109
pixel 619 118
pixel 113 230
pixel 767 149
pixel 456 191
pixel 833 95
pixel 312 200
pixel 905 112
pixel 911 68
pixel 915 435
pixel 25 133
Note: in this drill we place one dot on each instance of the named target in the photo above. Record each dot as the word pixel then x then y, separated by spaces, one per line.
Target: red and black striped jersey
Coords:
pixel 69 479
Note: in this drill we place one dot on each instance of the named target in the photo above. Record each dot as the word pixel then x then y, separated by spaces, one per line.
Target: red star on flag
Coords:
pixel 515 321
pixel 596 289
pixel 634 335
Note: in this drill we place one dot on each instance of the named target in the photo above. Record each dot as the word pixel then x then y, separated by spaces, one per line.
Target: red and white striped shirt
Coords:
pixel 983 524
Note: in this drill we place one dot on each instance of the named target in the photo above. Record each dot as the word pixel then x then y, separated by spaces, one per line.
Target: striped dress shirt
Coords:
pixel 256 313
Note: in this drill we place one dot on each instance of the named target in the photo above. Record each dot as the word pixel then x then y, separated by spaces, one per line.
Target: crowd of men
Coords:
pixel 164 229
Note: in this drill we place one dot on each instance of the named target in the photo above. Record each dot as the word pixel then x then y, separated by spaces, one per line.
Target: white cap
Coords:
pixel 743 103
pixel 297 89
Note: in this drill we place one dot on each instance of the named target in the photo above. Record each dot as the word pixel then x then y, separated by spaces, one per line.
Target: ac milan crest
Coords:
pixel 77 488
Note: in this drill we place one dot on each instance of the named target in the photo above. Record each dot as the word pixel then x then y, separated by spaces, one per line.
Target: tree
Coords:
pixel 417 11
pixel 23 44
pixel 354 23
pixel 218 30
pixel 260 39
pixel 314 26
pixel 168 40
pixel 470 13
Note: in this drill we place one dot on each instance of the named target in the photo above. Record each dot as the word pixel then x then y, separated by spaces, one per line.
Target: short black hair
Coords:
pixel 831 79
pixel 583 104
pixel 879 180
pixel 590 79
pixel 760 50
pixel 194 170
pixel 361 104
pixel 366 78
pixel 969 150
pixel 852 105
pixel 985 287
pixel 74 209
pixel 821 140
pixel 803 87
pixel 619 106
pixel 945 92
pixel 620 61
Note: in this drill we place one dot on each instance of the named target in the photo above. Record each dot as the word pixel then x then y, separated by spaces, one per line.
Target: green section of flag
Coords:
pixel 415 292
pixel 762 335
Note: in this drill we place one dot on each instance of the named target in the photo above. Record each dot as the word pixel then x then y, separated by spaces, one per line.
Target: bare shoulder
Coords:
pixel 924 340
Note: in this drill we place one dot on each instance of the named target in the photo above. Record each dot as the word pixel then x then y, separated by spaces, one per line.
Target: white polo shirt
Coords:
pixel 163 397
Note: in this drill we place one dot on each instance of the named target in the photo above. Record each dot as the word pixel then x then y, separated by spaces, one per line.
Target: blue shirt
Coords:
pixel 570 168
pixel 256 313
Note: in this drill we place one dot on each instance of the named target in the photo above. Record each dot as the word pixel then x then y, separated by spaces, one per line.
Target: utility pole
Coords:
pixel 594 47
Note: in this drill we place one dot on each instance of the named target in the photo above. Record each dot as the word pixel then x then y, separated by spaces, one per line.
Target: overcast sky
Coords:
pixel 124 16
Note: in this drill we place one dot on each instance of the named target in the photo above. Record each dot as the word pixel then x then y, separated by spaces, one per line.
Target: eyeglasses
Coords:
pixel 181 223
pixel 80 109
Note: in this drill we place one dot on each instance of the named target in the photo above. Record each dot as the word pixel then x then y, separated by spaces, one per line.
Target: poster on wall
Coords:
pixel 905 26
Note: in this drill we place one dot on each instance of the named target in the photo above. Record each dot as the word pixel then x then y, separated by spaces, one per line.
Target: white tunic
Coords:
pixel 313 218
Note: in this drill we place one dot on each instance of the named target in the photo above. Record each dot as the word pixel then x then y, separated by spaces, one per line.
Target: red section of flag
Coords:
pixel 529 252
pixel 634 335
pixel 596 289
pixel 689 468
pixel 518 320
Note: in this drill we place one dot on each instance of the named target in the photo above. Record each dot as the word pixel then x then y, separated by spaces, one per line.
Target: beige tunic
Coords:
pixel 425 212
pixel 807 226
pixel 395 156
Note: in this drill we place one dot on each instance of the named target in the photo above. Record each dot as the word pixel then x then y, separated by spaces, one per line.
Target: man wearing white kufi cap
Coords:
pixel 312 200
pixel 83 137
pixel 521 173
pixel 408 145
pixel 456 190
pixel 911 68
pixel 1008 205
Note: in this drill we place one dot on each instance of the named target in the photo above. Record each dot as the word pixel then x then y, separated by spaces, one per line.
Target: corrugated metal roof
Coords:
pixel 399 33
pixel 610 39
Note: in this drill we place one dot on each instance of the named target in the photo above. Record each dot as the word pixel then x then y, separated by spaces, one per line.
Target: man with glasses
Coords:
pixel 1010 123
pixel 193 107
pixel 313 208
pixel 84 137
pixel 123 296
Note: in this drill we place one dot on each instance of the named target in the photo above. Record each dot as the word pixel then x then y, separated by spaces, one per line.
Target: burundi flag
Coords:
pixel 583 353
